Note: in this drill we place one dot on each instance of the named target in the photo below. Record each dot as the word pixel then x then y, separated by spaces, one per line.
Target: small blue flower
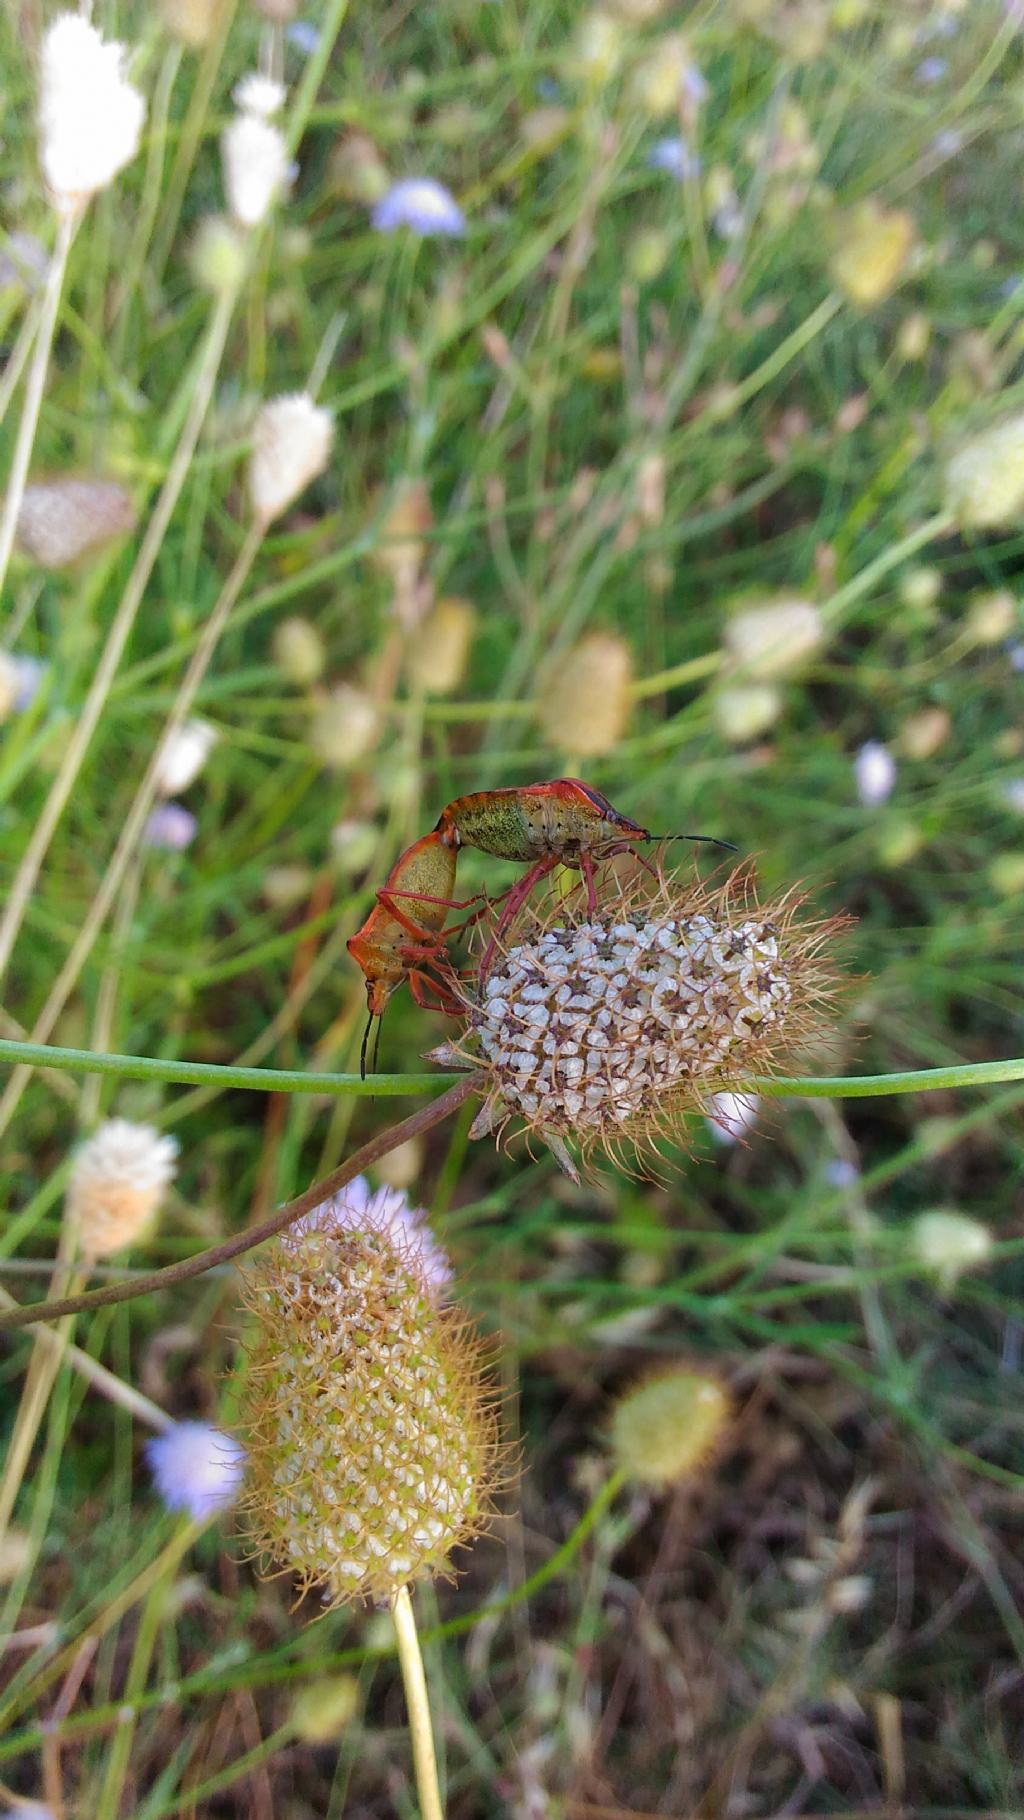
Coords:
pixel 947 143
pixel 303 35
pixel 196 1468
pixel 170 829
pixel 422 204
pixel 931 70
pixel 28 673
pixel 674 156
pixel 1016 655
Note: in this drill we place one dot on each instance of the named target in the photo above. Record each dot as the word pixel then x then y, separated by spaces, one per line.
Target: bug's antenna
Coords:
pixel 362 1051
pixel 376 1042
pixel 711 839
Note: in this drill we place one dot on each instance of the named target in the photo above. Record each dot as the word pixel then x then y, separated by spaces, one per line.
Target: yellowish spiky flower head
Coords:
pixel 439 654
pixel 874 247
pixel 666 1427
pixel 585 701
pixel 985 477
pixel 370 1427
pixel 604 1025
pixel 116 1184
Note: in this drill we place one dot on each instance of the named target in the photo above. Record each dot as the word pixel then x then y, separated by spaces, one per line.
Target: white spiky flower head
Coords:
pixel 196 1468
pixel 359 1208
pixel 256 167
pixel 291 442
pixel 116 1184
pixel 258 94
pixel 606 1024
pixel 90 117
pixel 184 756
pixel 770 640
pixel 371 1432
pixel 985 477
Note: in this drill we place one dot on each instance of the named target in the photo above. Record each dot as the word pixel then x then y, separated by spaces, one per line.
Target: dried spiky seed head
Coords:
pixel 291 443
pixel 116 1184
pixel 607 1026
pixel 371 1430
pixel 667 1427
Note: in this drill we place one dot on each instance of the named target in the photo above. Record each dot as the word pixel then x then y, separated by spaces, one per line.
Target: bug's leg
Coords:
pixel 421 983
pixel 514 898
pixel 587 869
pixel 387 894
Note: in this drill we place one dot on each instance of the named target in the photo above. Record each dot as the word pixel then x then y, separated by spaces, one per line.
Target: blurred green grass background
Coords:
pixel 633 403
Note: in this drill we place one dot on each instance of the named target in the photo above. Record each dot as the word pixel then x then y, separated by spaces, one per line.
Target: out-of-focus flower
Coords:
pixel 402 1166
pixel 196 1468
pixel 256 168
pixel 585 702
pixel 874 245
pixel 90 118
pixel 20 679
pixel 357 170
pixel 672 154
pixel 322 1710
pixel 991 617
pixel 258 94
pixel 372 1436
pixel 599 47
pixel 874 771
pixel 743 711
pixel 438 655
pixel 922 734
pixel 304 35
pixel 116 1184
pixel 184 756
pixel 29 1810
pixel 607 1025
pixel 985 476
pixel 840 1172
pixel 359 1208
pixel 931 70
pixel 772 640
pixel 422 204
pixel 667 77
pixel 666 1428
pixel 299 651
pixel 920 587
pixel 730 1115
pixel 949 1243
pixel 345 726
pixel 193 21
pixel 354 845
pixel 23 263
pixel 915 333
pixel 71 516
pixel 171 828
pixel 1013 795
pixel 291 442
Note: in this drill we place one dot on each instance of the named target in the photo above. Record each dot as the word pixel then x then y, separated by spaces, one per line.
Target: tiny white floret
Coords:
pixel 90 118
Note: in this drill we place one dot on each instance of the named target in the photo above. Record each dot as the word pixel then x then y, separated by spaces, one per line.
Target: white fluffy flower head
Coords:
pixel 196 1468
pixel 874 770
pixel 90 118
pixel 184 756
pixel 291 442
pixel 116 1184
pixel 258 94
pixel 255 167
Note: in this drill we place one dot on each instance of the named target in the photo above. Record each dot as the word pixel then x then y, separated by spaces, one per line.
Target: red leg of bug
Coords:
pixel 421 983
pixel 515 897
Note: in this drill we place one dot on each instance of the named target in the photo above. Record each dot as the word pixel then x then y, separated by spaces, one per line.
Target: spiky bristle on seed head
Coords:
pixel 603 1025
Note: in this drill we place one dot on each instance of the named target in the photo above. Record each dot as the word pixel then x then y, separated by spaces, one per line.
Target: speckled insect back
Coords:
pixel 605 1029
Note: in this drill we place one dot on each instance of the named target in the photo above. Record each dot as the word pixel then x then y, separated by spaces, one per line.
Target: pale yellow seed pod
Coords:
pixel 915 333
pixel 116 1184
pixel 195 22
pixel 991 617
pixel 345 727
pixel 585 700
pixel 324 1709
pixel 742 713
pixel 1006 873
pixel 923 733
pixel 772 639
pixel 666 1429
pixel 658 81
pixel 948 1243
pixel 299 651
pixel 439 652
pixel 218 255
pixel 599 48
pixel 874 247
pixel 985 476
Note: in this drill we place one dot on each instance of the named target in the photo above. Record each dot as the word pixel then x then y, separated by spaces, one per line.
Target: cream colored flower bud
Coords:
pixel 346 726
pixel 195 22
pixel 920 587
pixel 71 516
pixel 291 442
pixel 772 640
pixel 599 47
pixel 915 333
pixel 585 700
pixel 255 160
pixel 440 650
pixel 324 1709
pixel 991 617
pixel 666 1429
pixel 659 80
pixel 949 1243
pixel 184 756
pixel 356 170
pixel 299 651
pixel 743 712
pixel 985 477
pixel 116 1184
pixel 218 255
pixel 923 733
pixel 874 247
pixel 90 118
pixel 402 1166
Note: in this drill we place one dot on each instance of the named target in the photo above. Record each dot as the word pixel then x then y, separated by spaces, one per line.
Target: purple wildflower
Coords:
pixel 170 829
pixel 196 1468
pixel 357 1208
pixel 422 204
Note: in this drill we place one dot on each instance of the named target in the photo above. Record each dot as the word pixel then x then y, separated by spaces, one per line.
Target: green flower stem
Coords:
pixel 395 1086
pixel 420 1728
pixel 378 1146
